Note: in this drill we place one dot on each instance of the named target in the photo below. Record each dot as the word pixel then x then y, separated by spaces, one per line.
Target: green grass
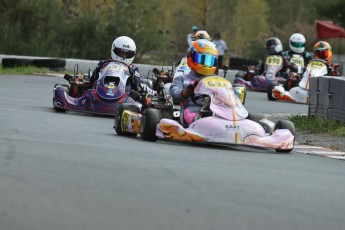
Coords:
pixel 25 70
pixel 318 125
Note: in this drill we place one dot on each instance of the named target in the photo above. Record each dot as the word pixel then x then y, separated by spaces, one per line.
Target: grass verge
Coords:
pixel 318 125
pixel 26 70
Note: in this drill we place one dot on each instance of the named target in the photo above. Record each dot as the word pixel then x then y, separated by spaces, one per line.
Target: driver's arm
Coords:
pixel 176 88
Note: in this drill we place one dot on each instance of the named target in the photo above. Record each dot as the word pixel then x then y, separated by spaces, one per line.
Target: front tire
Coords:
pixel 149 121
pixel 270 91
pixel 259 119
pixel 118 118
pixel 285 124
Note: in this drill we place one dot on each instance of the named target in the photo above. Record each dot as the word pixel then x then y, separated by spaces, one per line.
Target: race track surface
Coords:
pixel 71 171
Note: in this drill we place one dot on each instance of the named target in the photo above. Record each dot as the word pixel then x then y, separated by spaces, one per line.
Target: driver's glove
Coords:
pixel 186 93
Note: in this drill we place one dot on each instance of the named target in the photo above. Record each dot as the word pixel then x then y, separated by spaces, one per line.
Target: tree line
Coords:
pixel 86 28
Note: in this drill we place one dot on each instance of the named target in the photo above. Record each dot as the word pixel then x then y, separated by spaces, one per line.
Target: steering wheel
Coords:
pixel 196 99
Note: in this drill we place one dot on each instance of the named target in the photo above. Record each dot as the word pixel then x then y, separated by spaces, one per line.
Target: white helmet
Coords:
pixel 297 43
pixel 123 50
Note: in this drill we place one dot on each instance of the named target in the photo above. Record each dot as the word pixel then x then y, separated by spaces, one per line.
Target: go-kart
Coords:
pixel 223 121
pixel 104 98
pixel 273 64
pixel 300 92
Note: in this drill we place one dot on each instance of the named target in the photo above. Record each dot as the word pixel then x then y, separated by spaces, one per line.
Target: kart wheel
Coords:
pixel 285 124
pixel 269 92
pixel 135 95
pixel 259 119
pixel 65 88
pixel 148 82
pixel 118 118
pixel 148 124
pixel 240 74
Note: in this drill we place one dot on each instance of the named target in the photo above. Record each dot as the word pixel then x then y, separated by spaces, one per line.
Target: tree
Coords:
pixel 333 11
pixel 251 28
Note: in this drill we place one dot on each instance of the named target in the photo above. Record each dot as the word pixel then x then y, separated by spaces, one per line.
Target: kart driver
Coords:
pixel 273 46
pixel 202 60
pixel 323 51
pixel 123 50
pixel 297 46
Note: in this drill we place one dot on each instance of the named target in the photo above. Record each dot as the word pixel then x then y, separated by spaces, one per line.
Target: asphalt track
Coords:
pixel 71 171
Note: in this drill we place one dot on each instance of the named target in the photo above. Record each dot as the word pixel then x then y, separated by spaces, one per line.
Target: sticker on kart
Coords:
pixel 216 82
pixel 316 65
pixel 274 60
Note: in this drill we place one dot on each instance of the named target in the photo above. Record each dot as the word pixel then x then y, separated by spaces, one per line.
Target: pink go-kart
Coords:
pixel 222 120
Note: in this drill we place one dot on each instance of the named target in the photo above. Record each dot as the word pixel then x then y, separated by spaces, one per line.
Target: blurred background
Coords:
pixel 85 29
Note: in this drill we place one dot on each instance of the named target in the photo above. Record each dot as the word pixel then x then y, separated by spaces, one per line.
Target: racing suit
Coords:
pixel 182 67
pixel 180 83
pixel 306 56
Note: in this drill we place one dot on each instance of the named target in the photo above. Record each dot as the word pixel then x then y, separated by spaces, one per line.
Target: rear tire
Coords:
pixel 148 82
pixel 148 124
pixel 118 118
pixel 285 124
pixel 257 118
pixel 270 90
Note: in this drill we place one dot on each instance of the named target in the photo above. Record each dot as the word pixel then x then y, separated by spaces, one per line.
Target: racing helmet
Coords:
pixel 202 57
pixel 201 34
pixel 297 43
pixel 323 50
pixel 273 46
pixel 123 50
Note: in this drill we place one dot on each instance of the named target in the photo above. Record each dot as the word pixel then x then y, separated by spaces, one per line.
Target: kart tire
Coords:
pixel 148 82
pixel 257 118
pixel 149 120
pixel 65 88
pixel 16 62
pixel 118 118
pixel 285 124
pixel 240 74
pixel 269 91
pixel 135 95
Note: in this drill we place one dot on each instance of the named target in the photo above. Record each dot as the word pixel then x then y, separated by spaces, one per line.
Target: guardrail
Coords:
pixel 327 98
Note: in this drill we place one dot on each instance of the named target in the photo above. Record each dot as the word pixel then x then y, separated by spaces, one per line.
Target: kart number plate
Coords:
pixel 217 82
pixel 316 64
pixel 298 61
pixel 274 60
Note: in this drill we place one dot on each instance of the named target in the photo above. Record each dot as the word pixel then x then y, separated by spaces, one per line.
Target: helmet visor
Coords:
pixel 322 53
pixel 298 44
pixel 204 59
pixel 124 53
